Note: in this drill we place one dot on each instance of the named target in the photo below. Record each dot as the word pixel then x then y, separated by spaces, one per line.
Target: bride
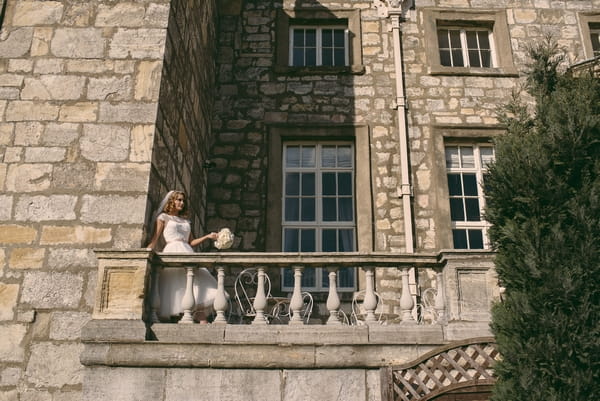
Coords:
pixel 172 223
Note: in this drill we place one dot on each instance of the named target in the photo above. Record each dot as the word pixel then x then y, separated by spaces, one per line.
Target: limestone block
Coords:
pixel 25 110
pixel 121 15
pixel 20 65
pixel 27 258
pixel 78 176
pixel 71 258
pixel 330 384
pixel 128 112
pixel 122 177
pixel 79 112
pixel 67 325
pixel 90 66
pixel 52 290
pixel 17 43
pixel 8 300
pixel 127 238
pixel 124 384
pixel 142 137
pixel 45 154
pixel 9 395
pixel 30 13
pixel 90 291
pixel 112 88
pixel 9 93
pixel 138 43
pixel 6 202
pixel 11 80
pixel 157 15
pixel 74 235
pixel 60 134
pixel 147 80
pixel 40 45
pixel 524 16
pixel 104 142
pixel 6 134
pixel 13 234
pixel 78 43
pixel 35 395
pixel 28 177
pixel 113 209
pixel 215 384
pixel 13 154
pixel 28 133
pixel 44 208
pixel 53 87
pixel 78 14
pixel 11 349
pixel 10 376
pixel 54 365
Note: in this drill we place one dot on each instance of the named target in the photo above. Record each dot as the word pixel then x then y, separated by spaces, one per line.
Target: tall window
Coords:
pixel 595 38
pixel 318 207
pixel 461 47
pixel 318 46
pixel 466 166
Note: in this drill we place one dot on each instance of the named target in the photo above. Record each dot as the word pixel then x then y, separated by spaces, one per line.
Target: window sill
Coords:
pixel 484 72
pixel 357 69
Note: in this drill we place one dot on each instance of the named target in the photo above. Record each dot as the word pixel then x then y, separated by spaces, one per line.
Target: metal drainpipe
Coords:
pixel 405 190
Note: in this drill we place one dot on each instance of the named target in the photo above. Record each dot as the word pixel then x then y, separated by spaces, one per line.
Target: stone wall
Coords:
pixel 80 84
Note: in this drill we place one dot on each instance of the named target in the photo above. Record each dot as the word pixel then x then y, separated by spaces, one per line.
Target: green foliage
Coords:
pixel 544 204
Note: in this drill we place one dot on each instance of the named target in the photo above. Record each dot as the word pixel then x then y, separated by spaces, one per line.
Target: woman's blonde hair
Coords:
pixel 170 206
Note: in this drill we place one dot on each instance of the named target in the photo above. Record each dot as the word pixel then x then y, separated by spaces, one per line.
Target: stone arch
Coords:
pixel 458 371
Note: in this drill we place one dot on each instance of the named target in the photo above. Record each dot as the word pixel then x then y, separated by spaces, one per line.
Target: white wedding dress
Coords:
pixel 172 281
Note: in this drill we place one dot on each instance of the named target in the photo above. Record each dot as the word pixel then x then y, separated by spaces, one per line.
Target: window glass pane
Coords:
pixel 452 159
pixel 338 38
pixel 327 57
pixel 288 277
pixel 472 40
pixel 486 58
pixel 484 39
pixel 328 156
pixel 290 240
pixel 475 239
pixel 311 38
pixel 595 37
pixel 457 58
pixel 292 209
pixel 329 241
pixel 445 58
pixel 298 58
pixel 443 41
pixel 459 238
pixel 328 184
pixel 346 277
pixel 344 184
pixel 308 209
pixel 470 184
pixel 466 156
pixel 298 39
pixel 308 184
pixel 487 155
pixel 472 206
pixel 345 209
pixel 339 57
pixel 308 156
pixel 307 240
pixel 311 57
pixel 346 241
pixel 474 60
pixel 329 209
pixel 455 39
pixel 327 38
pixel 309 278
pixel 344 156
pixel 292 156
pixel 454 185
pixel 292 184
pixel 457 212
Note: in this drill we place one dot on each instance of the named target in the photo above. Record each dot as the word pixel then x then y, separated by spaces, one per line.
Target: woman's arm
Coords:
pixel 194 242
pixel 158 230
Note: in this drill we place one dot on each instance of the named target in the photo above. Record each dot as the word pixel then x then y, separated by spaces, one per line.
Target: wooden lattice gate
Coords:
pixel 459 371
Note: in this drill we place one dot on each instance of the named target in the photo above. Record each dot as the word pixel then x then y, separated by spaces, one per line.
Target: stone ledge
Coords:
pixel 109 331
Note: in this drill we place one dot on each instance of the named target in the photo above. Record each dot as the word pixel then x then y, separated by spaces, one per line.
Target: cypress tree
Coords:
pixel 544 203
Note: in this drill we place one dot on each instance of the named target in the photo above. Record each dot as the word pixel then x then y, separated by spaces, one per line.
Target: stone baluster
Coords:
pixel 406 301
pixel 260 300
pixel 439 304
pixel 188 302
pixel 333 299
pixel 155 304
pixel 220 303
pixel 297 301
pixel 370 301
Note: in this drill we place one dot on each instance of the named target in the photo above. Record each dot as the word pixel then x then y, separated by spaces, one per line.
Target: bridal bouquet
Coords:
pixel 224 239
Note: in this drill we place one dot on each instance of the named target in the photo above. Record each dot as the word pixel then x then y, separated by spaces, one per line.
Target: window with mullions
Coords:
pixel 465 47
pixel 318 46
pixel 466 166
pixel 318 208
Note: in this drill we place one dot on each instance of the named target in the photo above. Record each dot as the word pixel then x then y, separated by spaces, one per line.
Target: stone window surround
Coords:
pixel 359 134
pixel 347 18
pixel 585 20
pixel 448 135
pixel 494 19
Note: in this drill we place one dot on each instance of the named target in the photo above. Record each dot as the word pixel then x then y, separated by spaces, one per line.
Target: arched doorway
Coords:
pixel 461 371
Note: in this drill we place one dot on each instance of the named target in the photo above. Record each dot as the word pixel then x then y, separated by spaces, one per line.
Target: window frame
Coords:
pixel 479 171
pixel 493 20
pixel 318 45
pixel 589 23
pixel 464 45
pixel 346 19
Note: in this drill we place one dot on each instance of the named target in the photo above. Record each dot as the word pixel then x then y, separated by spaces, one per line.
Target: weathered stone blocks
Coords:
pixel 54 365
pixel 112 209
pixel 78 43
pixel 104 142
pixel 11 346
pixel 52 290
pixel 44 208
pixel 31 13
pixel 74 235
pixel 8 300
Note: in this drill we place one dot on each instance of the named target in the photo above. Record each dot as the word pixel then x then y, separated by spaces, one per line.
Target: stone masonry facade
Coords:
pixel 106 105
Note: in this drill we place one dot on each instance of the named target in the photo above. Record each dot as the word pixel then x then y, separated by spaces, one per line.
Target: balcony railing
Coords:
pixel 129 281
